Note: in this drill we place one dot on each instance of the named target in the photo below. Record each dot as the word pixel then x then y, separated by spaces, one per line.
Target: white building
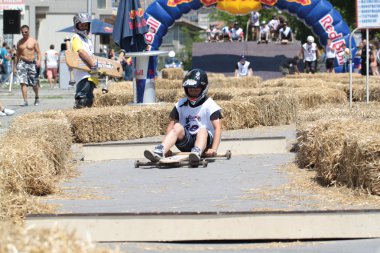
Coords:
pixel 46 17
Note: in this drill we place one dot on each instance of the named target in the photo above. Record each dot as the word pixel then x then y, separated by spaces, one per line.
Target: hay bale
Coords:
pixel 52 127
pixel 280 109
pixel 360 161
pixel 294 83
pixel 172 73
pixel 235 82
pixel 113 98
pixel 169 96
pixel 310 97
pixel 358 110
pixel 27 166
pixel 167 84
pixel 239 115
pixel 215 75
pixel 19 239
pixel 327 145
pixel 116 123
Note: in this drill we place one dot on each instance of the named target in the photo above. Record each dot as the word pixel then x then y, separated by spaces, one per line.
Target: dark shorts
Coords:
pixel 330 63
pixel 188 142
pixel 27 72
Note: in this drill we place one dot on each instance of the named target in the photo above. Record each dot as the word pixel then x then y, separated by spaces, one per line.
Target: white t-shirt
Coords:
pixel 310 51
pixel 330 52
pixel 254 18
pixel 273 24
pixel 86 44
pixel 285 31
pixel 235 33
pixel 243 68
pixel 264 29
pixel 194 118
pixel 51 57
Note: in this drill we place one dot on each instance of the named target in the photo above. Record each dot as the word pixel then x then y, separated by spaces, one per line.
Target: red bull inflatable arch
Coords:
pixel 319 15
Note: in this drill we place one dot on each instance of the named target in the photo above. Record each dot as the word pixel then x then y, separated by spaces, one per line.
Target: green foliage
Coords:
pixel 186 53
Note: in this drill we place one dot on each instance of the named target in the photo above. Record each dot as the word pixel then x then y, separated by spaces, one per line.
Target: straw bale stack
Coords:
pixel 169 96
pixel 239 115
pixel 27 166
pixel 167 84
pixel 279 109
pixel 235 82
pixel 19 239
pixel 118 123
pixel 35 150
pixel 215 75
pixel 343 151
pixel 172 73
pixel 340 111
pixel 310 97
pixel 119 98
pixel 294 82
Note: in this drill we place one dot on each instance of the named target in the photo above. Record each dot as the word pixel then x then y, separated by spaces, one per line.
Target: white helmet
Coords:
pixel 82 17
pixel 310 39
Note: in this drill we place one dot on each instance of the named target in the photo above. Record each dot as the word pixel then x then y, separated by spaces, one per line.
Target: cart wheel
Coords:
pixel 228 154
pixel 137 163
pixel 204 163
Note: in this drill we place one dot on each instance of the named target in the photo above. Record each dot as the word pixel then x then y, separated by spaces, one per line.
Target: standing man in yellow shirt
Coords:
pixel 82 44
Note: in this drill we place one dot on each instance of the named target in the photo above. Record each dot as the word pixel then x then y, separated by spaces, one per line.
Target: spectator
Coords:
pixel 310 54
pixel 286 33
pixel 330 53
pixel 290 66
pixel 243 68
pixel 254 23
pixel 225 33
pixel 273 28
pixel 51 65
pixel 213 34
pixel 27 61
pixel 373 61
pixel 358 58
pixel 128 68
pixel 264 33
pixel 5 111
pixel 346 58
pixel 111 54
pixel 364 58
pixel 6 58
pixel 237 33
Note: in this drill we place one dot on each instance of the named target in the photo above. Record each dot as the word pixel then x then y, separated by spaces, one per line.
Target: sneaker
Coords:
pixel 25 103
pixel 195 155
pixel 36 101
pixel 2 113
pixel 156 154
pixel 8 112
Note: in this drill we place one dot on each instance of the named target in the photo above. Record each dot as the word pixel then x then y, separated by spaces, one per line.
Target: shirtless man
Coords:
pixel 26 64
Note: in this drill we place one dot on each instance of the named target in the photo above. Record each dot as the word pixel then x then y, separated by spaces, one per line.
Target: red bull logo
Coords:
pixel 136 13
pixel 174 3
pixel 268 2
pixel 301 2
pixel 273 2
pixel 208 2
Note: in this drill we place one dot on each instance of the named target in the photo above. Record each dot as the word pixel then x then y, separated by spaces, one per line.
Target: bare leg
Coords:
pixel 177 133
pixel 201 140
pixel 36 89
pixel 24 91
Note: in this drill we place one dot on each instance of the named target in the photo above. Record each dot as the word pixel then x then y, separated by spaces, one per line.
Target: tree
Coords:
pixel 186 53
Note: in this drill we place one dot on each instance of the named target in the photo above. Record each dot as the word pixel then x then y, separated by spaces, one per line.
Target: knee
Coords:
pixel 177 129
pixel 202 132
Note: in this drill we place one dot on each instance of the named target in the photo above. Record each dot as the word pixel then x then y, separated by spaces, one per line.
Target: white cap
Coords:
pixel 171 53
pixel 310 39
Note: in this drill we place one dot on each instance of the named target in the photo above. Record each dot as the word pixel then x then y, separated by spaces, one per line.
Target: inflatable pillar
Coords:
pixel 144 89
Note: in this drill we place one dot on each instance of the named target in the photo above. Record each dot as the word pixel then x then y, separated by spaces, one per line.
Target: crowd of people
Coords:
pixel 276 30
pixel 313 57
